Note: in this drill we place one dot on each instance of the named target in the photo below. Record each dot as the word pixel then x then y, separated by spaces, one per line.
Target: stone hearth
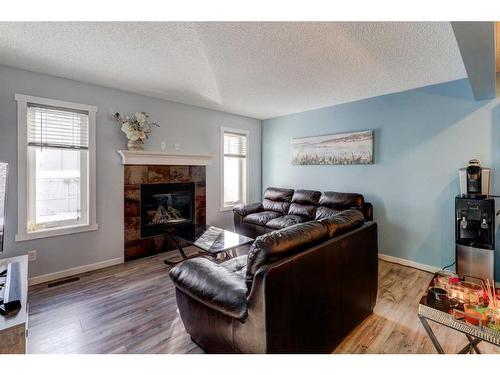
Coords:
pixel 135 175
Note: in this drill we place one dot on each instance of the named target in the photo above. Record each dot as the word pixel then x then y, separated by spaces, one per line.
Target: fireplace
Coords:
pixel 146 188
pixel 166 205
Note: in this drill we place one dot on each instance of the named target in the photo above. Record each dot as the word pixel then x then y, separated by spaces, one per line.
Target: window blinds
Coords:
pixel 235 145
pixel 53 127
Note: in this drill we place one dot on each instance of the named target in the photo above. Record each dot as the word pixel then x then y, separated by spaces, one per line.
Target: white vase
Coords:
pixel 135 145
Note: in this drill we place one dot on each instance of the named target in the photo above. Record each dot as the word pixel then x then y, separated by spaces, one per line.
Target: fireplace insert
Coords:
pixel 164 206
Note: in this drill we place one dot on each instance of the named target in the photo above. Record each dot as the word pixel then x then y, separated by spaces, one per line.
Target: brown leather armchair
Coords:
pixel 301 289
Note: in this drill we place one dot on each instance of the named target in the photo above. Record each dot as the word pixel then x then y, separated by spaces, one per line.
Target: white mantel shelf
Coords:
pixel 163 158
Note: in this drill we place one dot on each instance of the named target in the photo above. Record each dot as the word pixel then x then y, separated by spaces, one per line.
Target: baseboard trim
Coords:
pixel 74 271
pixel 408 263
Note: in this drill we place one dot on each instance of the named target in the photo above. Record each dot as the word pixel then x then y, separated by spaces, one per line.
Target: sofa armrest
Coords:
pixel 212 285
pixel 247 209
pixel 367 210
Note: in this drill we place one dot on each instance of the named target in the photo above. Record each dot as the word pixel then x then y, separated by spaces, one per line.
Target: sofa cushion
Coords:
pixel 236 265
pixel 276 199
pixel 286 221
pixel 323 212
pixel 275 245
pixel 306 197
pixel 278 194
pixel 343 222
pixel 261 218
pixel 304 203
pixel 331 203
pixel 334 199
pixel 221 287
pixel 280 207
pixel 307 211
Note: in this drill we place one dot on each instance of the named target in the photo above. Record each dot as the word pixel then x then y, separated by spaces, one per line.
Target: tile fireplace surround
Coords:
pixel 157 170
pixel 135 175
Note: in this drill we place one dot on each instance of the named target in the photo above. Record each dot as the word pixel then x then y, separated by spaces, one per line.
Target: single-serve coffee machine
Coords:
pixel 475 223
pixel 474 180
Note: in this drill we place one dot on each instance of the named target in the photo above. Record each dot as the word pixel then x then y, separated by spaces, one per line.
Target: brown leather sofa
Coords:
pixel 284 207
pixel 300 289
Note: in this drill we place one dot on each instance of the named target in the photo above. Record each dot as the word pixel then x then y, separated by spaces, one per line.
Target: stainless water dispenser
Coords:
pixel 475 236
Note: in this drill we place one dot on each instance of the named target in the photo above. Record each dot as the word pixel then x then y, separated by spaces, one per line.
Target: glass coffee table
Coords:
pixel 212 241
pixel 454 318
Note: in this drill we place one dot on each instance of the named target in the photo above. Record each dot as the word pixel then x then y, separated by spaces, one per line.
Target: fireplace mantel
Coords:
pixel 163 158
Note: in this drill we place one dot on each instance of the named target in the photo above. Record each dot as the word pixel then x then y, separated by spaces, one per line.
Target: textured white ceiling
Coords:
pixel 256 69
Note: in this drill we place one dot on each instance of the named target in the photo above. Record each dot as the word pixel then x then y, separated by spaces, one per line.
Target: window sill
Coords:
pixel 53 232
pixel 230 207
pixel 227 208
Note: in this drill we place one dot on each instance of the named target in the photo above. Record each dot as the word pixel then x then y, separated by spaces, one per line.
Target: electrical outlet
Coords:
pixel 177 146
pixel 163 145
pixel 32 255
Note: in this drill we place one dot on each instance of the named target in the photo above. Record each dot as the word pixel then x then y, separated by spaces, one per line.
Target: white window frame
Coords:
pixel 22 170
pixel 246 133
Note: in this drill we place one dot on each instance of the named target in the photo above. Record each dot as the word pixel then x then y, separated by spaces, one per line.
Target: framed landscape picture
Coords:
pixel 334 149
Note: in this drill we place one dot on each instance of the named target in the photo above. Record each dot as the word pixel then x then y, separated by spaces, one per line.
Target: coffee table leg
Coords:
pixel 179 248
pixel 431 334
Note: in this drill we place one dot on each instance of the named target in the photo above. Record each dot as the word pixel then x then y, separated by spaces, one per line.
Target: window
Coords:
pixel 56 159
pixel 234 167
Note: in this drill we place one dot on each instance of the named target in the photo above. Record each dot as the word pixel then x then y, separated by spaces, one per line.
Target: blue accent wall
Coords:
pixel 422 137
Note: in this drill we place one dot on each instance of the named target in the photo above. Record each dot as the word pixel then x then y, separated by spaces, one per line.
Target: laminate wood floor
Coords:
pixel 131 308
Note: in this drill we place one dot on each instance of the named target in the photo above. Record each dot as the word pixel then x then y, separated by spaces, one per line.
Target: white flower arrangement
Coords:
pixel 136 127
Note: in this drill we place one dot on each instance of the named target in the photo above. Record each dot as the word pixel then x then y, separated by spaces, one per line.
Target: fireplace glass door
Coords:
pixel 164 206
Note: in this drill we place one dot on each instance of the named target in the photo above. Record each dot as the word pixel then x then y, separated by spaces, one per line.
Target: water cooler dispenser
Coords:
pixel 475 236
pixel 475 223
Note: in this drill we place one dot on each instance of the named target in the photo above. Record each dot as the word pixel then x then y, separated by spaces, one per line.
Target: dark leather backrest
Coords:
pixel 332 202
pixel 275 245
pixel 343 222
pixel 277 199
pixel 304 203
pixel 335 199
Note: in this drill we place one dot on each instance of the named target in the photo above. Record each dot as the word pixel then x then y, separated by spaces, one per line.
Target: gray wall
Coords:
pixel 422 138
pixel 196 129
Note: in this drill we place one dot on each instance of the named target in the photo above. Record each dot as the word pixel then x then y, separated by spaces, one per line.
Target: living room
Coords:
pixel 249 187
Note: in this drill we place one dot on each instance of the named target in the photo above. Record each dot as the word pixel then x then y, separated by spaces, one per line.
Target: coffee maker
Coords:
pixel 474 180
pixel 475 223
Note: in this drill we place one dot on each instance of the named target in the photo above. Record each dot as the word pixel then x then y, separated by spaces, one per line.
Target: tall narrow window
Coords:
pixel 234 167
pixel 59 166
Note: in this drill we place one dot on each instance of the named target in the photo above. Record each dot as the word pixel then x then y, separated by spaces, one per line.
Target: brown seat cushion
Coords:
pixel 286 221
